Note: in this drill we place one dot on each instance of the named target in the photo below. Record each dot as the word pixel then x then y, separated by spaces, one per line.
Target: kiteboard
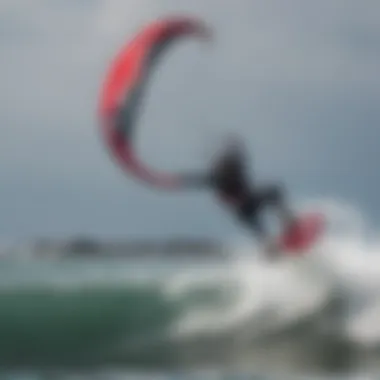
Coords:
pixel 302 235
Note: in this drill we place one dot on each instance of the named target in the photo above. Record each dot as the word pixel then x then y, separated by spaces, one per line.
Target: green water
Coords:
pixel 125 319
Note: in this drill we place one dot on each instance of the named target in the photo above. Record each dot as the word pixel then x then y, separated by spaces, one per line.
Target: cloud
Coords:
pixel 298 79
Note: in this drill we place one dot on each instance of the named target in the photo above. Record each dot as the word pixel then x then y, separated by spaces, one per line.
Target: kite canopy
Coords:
pixel 123 91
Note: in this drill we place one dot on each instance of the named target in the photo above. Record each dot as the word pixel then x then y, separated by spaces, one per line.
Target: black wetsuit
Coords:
pixel 228 178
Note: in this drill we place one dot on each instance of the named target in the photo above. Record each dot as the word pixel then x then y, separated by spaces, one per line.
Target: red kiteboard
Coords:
pixel 303 234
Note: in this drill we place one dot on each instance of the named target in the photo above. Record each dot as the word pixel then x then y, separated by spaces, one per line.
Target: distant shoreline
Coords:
pixel 88 247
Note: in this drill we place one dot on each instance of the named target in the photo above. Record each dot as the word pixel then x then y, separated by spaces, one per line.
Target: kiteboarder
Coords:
pixel 121 98
pixel 228 177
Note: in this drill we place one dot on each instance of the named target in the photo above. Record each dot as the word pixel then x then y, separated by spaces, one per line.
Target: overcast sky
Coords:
pixel 298 79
